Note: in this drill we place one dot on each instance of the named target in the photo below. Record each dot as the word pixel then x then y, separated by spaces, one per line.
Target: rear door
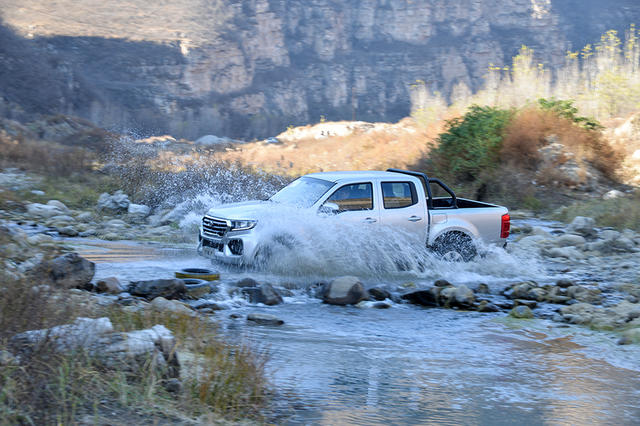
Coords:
pixel 403 208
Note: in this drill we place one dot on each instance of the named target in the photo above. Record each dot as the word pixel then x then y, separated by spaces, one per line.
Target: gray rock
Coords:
pixel 62 219
pixel 520 290
pixel 150 289
pixel 584 226
pixel 84 217
pixel 247 282
pixel 483 289
pixel 583 294
pixel 428 297
pixel 138 211
pixel 613 194
pixel 59 205
pixel 463 296
pixel 43 210
pixel 521 312
pixel 528 303
pixel 346 290
pixel 264 319
pixel 442 283
pixel 379 294
pixel 570 253
pixel 567 240
pixel 264 294
pixel 83 332
pixel 68 231
pixel 380 305
pixel 67 271
pixel 7 358
pixel 565 283
pixel 109 285
pixel 171 306
pixel 486 306
pixel 116 203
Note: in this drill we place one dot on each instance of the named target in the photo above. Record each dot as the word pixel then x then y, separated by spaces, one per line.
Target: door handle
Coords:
pixel 369 220
pixel 414 219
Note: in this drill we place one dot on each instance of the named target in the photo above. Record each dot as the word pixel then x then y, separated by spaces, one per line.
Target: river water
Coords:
pixel 408 364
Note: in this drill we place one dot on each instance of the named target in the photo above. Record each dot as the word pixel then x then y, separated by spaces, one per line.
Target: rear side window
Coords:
pixel 358 196
pixel 397 195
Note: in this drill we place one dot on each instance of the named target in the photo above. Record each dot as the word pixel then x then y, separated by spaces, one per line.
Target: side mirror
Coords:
pixel 329 209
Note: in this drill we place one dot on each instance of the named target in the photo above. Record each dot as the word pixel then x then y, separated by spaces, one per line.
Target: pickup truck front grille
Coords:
pixel 214 227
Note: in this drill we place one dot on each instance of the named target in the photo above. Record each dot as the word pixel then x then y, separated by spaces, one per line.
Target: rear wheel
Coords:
pixel 455 247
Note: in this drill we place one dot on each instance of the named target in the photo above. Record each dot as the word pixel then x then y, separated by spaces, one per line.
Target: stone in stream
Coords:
pixel 564 283
pixel 346 290
pixel 486 306
pixel 442 283
pixel 528 303
pixel 265 294
pixel 264 319
pixel 247 282
pixel 150 289
pixel 483 289
pixel 379 294
pixel 116 203
pixel 521 312
pixel 67 271
pixel 423 297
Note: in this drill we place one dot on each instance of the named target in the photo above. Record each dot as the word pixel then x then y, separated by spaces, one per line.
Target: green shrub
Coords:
pixel 471 145
pixel 565 109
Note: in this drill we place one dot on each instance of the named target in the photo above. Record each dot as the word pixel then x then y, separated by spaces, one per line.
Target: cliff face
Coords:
pixel 251 68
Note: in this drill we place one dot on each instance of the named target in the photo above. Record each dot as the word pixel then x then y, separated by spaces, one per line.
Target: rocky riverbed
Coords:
pixel 576 277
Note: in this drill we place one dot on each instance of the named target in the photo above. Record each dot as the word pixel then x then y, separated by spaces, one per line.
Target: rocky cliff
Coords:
pixel 250 68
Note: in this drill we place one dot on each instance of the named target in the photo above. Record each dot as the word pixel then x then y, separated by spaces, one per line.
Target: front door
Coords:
pixel 355 203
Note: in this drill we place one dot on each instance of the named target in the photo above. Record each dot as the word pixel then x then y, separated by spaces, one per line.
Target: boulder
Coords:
pixel 109 285
pixel 59 205
pixel 43 210
pixel 170 306
pixel 264 319
pixel 116 203
pixel 583 294
pixel 247 282
pixel 68 271
pixel 483 289
pixel 344 291
pixel 264 294
pixel 150 289
pixel 464 297
pixel 442 283
pixel 82 333
pixel 379 294
pixel 486 306
pixel 521 312
pixel 138 212
pixel 564 283
pixel 428 297
pixel 68 231
pixel 520 290
pixel 584 226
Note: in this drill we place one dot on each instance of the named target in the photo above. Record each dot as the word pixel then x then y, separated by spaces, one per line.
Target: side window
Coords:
pixel 399 194
pixel 358 196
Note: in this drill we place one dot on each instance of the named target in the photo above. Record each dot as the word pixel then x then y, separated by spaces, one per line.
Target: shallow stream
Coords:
pixel 408 364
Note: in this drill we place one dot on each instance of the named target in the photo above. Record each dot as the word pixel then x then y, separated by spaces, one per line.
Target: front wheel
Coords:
pixel 455 247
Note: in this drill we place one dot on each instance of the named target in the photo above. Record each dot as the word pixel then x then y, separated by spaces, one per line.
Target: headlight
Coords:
pixel 242 225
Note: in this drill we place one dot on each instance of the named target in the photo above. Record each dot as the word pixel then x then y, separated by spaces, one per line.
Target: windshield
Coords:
pixel 302 192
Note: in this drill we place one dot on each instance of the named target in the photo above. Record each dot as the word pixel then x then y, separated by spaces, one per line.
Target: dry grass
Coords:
pixel 398 146
pixel 619 213
pixel 47 157
pixel 532 129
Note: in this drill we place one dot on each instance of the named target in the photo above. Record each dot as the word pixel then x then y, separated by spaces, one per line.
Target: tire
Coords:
pixel 198 273
pixel 455 247
pixel 196 288
pixel 277 247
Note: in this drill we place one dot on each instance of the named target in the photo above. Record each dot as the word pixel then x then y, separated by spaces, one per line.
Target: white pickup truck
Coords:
pixel 398 199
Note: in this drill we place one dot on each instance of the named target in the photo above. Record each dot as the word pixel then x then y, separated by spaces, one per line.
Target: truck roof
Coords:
pixel 365 174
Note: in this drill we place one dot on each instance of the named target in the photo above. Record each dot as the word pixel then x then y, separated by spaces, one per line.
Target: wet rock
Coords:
pixel 170 306
pixel 196 289
pixel 537 294
pixel 483 289
pixel 528 303
pixel 346 290
pixel 463 296
pixel 380 305
pixel 564 283
pixel 264 319
pixel 423 297
pixel 264 294
pixel 521 312
pixel 630 336
pixel 442 283
pixel 583 294
pixel 84 217
pixel 66 219
pixel 379 294
pixel 486 306
pixel 584 226
pixel 38 239
pixel 207 304
pixel 116 203
pixel 109 285
pixel 519 290
pixel 247 282
pixel 150 289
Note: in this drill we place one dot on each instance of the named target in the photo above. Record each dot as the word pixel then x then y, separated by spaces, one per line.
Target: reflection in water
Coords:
pixel 410 365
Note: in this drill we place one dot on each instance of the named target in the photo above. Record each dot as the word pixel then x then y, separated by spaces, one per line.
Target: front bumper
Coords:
pixel 234 247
